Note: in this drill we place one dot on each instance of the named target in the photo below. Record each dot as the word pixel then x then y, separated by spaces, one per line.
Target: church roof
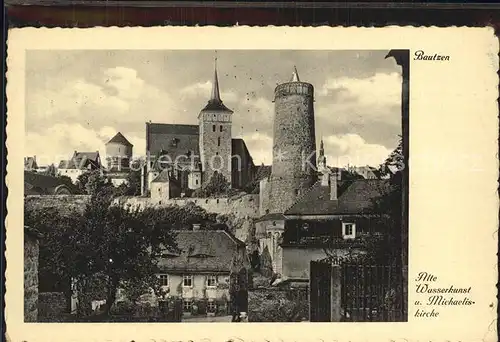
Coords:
pixel 215 102
pixel 172 140
pixel 119 139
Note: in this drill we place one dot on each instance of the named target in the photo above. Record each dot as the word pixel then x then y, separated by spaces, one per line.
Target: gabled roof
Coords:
pixel 163 177
pixel 202 251
pixel 354 197
pixel 30 163
pixel 239 148
pixel 119 139
pixel 172 140
pixel 93 156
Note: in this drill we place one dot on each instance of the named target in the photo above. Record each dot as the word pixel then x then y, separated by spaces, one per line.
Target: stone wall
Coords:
pixel 31 251
pixel 241 210
pixel 52 306
pixel 66 203
pixel 294 160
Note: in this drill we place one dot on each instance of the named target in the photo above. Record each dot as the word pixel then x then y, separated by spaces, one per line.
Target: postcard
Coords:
pixel 256 183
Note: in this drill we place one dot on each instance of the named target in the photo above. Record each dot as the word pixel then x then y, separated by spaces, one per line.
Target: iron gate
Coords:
pixel 320 291
pixel 371 293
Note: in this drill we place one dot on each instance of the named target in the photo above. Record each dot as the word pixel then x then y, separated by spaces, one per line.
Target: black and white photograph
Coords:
pixel 215 186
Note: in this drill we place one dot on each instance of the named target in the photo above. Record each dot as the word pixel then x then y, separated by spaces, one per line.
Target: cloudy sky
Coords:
pixel 77 100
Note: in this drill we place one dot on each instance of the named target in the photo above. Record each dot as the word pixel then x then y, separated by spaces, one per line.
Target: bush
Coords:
pixel 273 306
pixel 123 308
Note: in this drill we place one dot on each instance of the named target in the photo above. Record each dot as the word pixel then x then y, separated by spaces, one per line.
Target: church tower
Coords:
pixel 294 143
pixel 322 158
pixel 215 135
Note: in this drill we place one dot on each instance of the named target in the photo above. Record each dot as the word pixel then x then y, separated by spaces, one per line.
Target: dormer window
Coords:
pixel 348 230
pixel 175 141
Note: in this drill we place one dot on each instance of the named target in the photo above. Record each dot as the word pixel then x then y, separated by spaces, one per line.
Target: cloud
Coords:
pixel 260 147
pixel 118 96
pixel 60 140
pixel 380 89
pixel 204 89
pixel 354 150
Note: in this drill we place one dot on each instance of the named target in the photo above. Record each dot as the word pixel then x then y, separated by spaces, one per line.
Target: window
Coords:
pixel 348 230
pixel 196 182
pixel 211 281
pixel 187 305
pixel 218 141
pixel 213 128
pixel 216 153
pixel 211 306
pixel 163 279
pixel 220 128
pixel 187 281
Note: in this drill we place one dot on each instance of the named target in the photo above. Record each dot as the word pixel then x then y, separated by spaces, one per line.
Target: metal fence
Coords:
pixel 355 292
pixel 371 293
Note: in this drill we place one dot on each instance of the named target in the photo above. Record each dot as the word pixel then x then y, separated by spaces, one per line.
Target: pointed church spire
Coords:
pixel 215 97
pixel 322 158
pixel 295 75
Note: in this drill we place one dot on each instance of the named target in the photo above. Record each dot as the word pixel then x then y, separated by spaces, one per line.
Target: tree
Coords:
pixel 395 161
pixel 107 246
pixel 51 170
pixel 81 182
pixel 216 186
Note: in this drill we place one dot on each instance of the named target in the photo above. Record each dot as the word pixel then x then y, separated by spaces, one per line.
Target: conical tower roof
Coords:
pixel 295 75
pixel 119 139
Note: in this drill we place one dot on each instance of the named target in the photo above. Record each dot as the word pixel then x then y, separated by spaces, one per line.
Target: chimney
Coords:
pixel 196 227
pixel 333 186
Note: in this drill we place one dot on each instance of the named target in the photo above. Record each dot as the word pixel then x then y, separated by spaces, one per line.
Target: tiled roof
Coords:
pixel 217 106
pixel 163 177
pixel 30 163
pixel 269 217
pixel 202 250
pixel 174 140
pixel 119 139
pixel 239 148
pixel 354 197
pixel 93 156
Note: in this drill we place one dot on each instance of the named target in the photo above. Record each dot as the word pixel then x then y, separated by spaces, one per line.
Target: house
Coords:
pixel 202 269
pixel 332 216
pixel 367 172
pixel 30 164
pixel 39 184
pixel 164 187
pixel 80 163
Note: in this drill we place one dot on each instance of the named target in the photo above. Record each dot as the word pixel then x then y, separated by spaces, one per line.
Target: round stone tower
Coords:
pixel 294 143
pixel 118 153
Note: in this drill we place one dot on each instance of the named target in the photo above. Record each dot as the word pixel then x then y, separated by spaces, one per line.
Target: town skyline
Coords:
pixel 119 91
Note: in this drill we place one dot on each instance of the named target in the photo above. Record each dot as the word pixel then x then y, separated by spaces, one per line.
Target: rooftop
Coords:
pixel 354 197
pixel 202 250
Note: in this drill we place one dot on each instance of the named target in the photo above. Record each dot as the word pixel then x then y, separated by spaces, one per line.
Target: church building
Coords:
pixel 193 153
